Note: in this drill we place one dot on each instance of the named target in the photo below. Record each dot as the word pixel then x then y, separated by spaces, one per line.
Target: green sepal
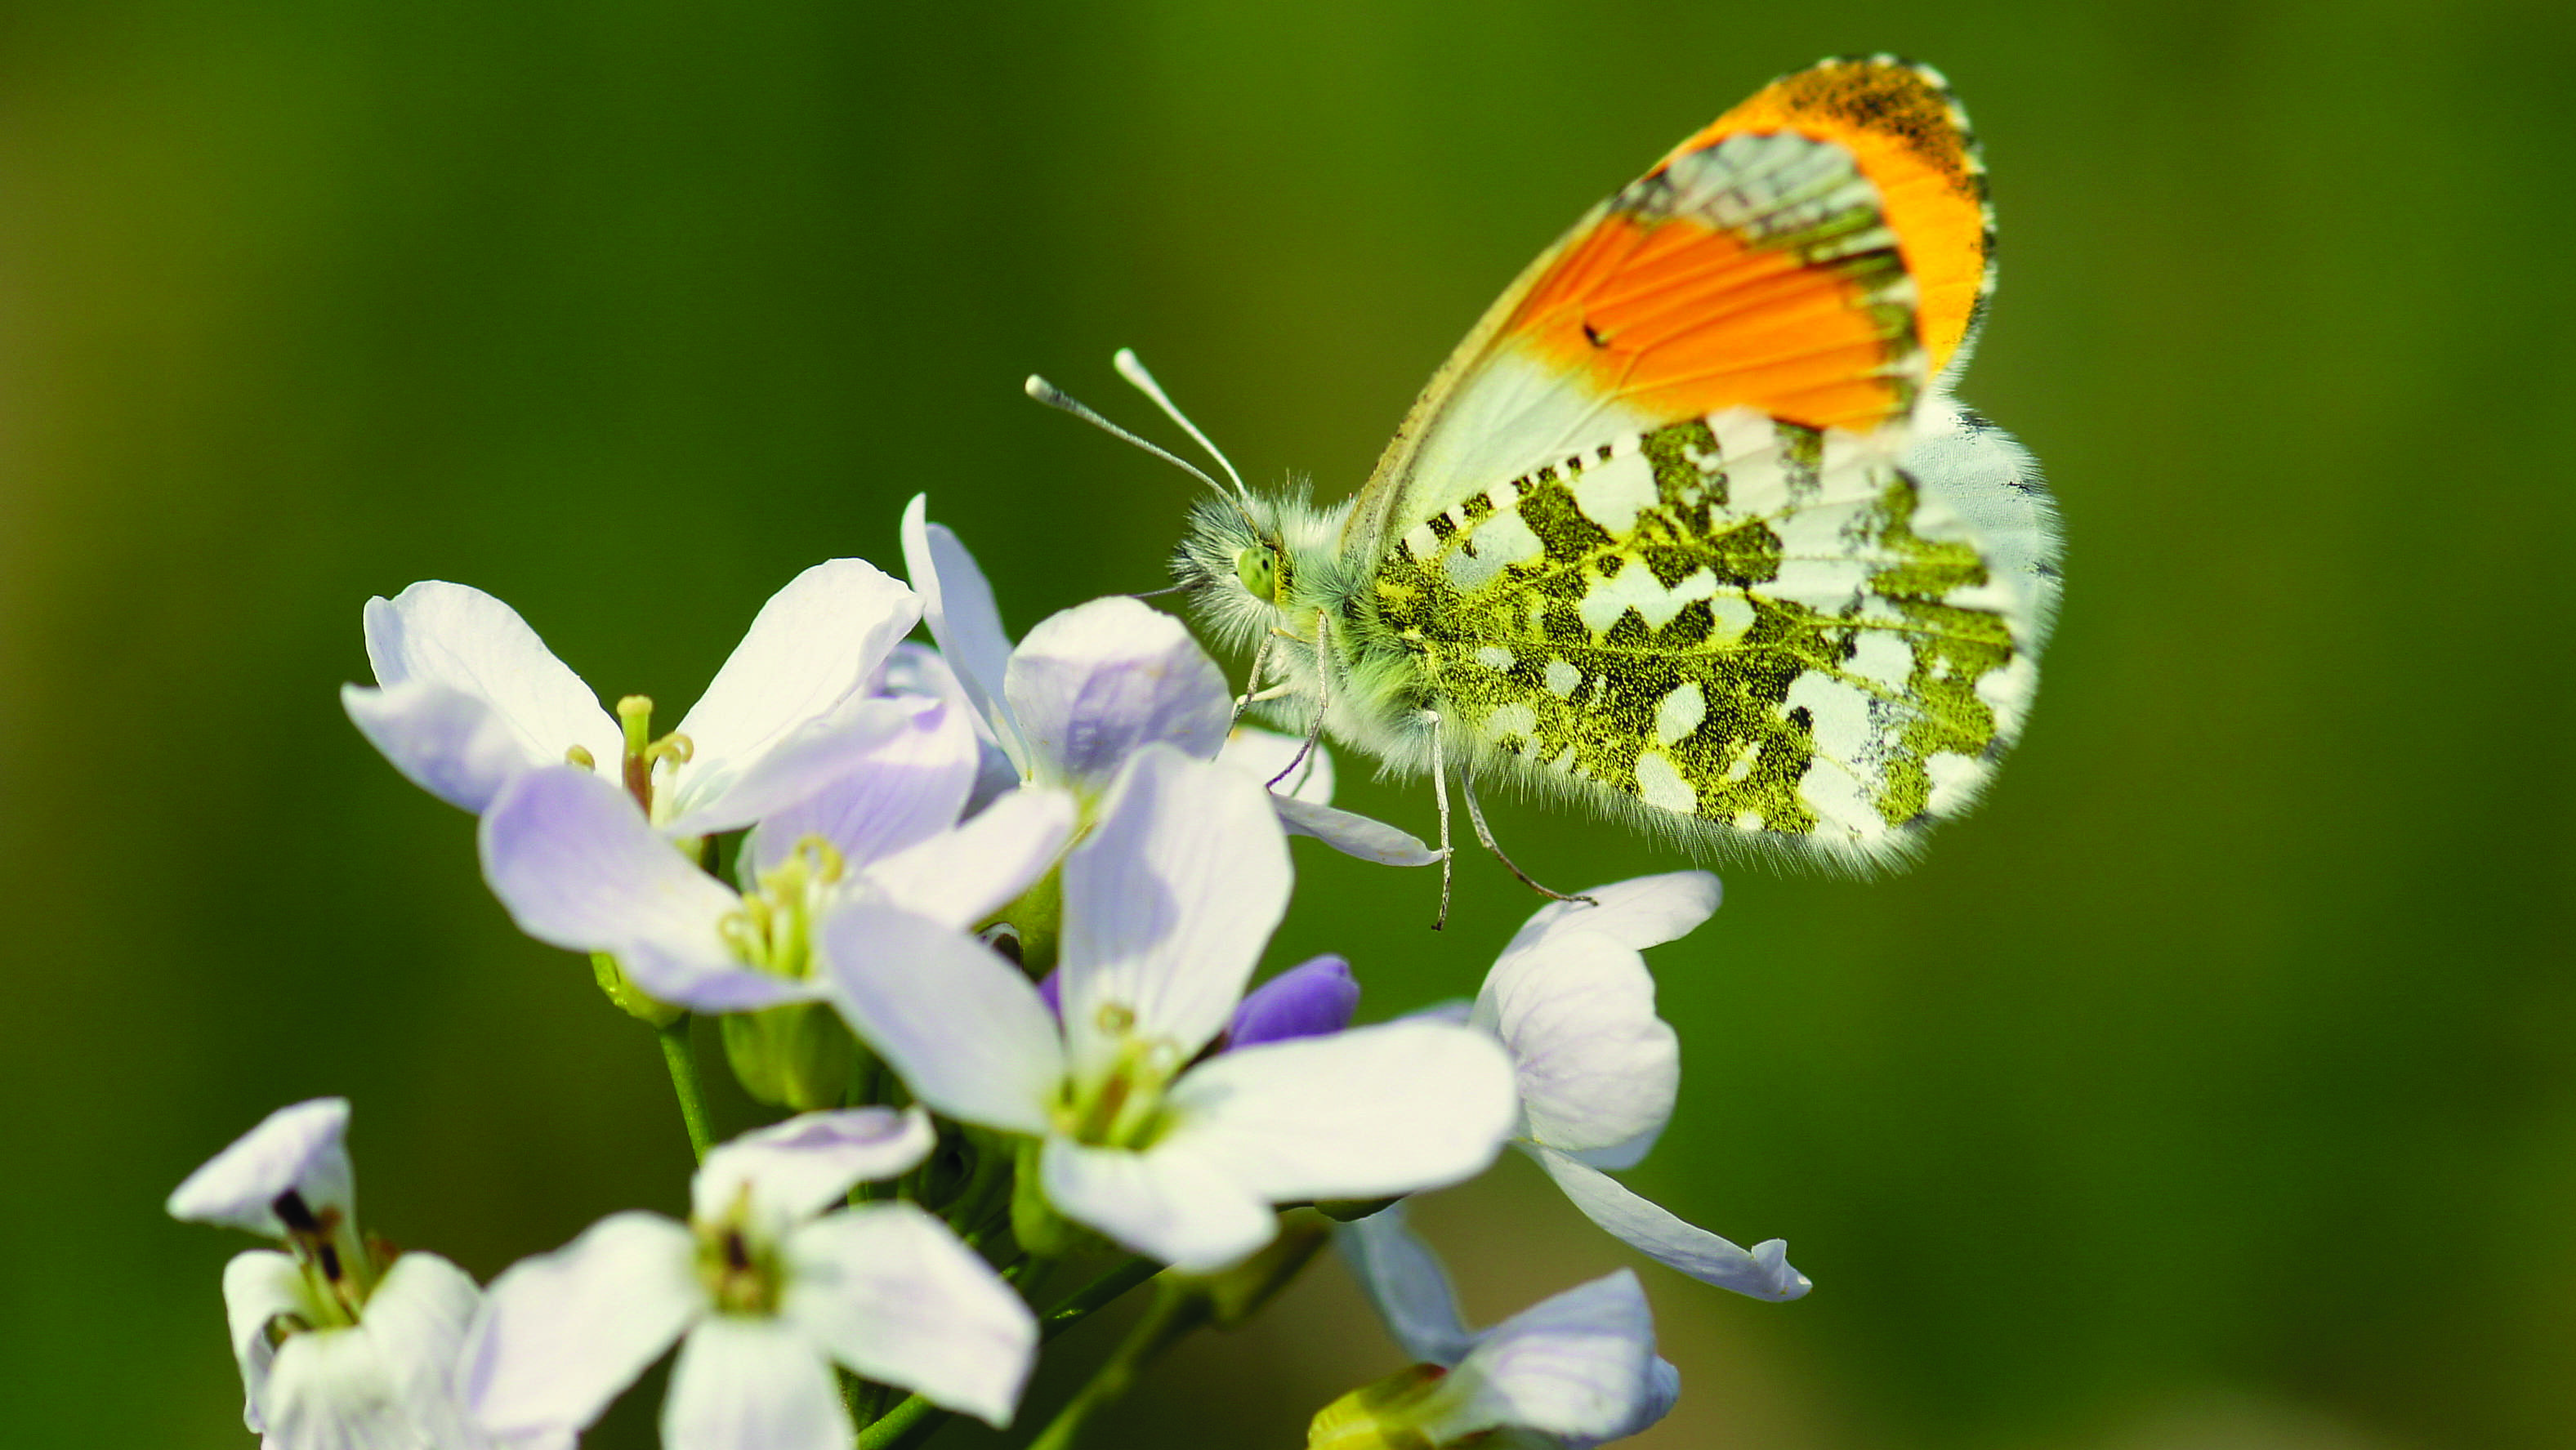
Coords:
pixel 1042 1231
pixel 631 999
pixel 1352 1210
pixel 798 1056
pixel 1384 1415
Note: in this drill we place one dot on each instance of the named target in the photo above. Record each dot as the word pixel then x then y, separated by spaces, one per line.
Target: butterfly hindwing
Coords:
pixel 1748 628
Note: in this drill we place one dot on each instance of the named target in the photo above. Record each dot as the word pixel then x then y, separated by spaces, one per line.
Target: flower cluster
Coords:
pixel 983 921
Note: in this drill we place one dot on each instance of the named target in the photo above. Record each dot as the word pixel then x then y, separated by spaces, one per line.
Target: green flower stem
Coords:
pixel 680 1055
pixel 1176 1312
pixel 1095 1296
pixel 917 1419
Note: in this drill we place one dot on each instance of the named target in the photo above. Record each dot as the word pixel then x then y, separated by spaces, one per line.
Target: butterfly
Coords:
pixel 1689 529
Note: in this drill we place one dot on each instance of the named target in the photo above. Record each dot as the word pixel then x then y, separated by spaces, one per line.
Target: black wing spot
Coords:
pixel 1593 336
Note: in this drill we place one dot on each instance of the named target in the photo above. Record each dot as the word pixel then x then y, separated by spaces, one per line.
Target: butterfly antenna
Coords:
pixel 1064 402
pixel 1132 368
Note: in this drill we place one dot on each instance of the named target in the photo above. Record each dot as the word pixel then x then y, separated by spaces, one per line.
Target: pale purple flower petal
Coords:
pixel 961 877
pixel 1311 999
pixel 1266 755
pixel 1168 1203
pixel 462 638
pixel 573 859
pixel 813 645
pixel 704 984
pixel 296 1148
pixel 1580 1366
pixel 382 1384
pixel 752 1383
pixel 890 1292
pixel 1598 1069
pixel 907 786
pixel 1638 914
pixel 260 1287
pixel 800 1167
pixel 1353 834
pixel 1167 903
pixel 1407 1284
pixel 961 1026
pixel 447 742
pixel 804 760
pixel 559 1335
pixel 1762 1273
pixel 958 606
pixel 1095 684
pixel 1368 1113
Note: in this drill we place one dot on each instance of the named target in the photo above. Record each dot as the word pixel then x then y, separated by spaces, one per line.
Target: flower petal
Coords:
pixel 1597 1068
pixel 573 859
pixel 1168 1202
pixel 908 785
pixel 449 743
pixel 1579 1366
pixel 812 646
pixel 1368 1113
pixel 1651 1230
pixel 297 1148
pixel 1638 914
pixel 958 606
pixel 562 1333
pixel 752 1383
pixel 1093 685
pixel 962 1027
pixel 703 984
pixel 1311 999
pixel 260 1287
pixel 1266 754
pixel 1404 1279
pixel 1353 834
pixel 1167 903
pixel 804 1165
pixel 960 877
pixel 418 1317
pixel 460 637
pixel 890 1292
pixel 330 1389
pixel 793 767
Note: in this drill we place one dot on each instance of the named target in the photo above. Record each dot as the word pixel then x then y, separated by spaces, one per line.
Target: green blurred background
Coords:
pixel 2215 1086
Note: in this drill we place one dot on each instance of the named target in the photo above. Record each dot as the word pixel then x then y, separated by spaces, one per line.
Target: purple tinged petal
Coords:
pixel 800 1167
pixel 296 1148
pixel 1637 914
pixel 958 606
pixel 904 785
pixel 1352 834
pixel 962 1027
pixel 462 638
pixel 560 1334
pixel 1762 1272
pixel 1407 1284
pixel 1167 904
pixel 573 859
pixel 890 1292
pixel 447 742
pixel 703 984
pixel 814 645
pixel 1093 685
pixel 1311 999
pixel 961 877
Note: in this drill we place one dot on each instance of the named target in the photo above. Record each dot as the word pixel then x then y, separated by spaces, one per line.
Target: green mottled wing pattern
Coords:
pixel 1737 627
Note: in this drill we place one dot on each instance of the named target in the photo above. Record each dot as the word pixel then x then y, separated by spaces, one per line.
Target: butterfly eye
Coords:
pixel 1258 568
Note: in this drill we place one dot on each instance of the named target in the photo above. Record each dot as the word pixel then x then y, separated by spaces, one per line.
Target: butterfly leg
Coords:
pixel 1251 685
pixel 1440 793
pixel 1323 699
pixel 1485 837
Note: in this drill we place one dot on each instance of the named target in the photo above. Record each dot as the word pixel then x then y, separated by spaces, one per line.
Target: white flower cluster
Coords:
pixel 983 919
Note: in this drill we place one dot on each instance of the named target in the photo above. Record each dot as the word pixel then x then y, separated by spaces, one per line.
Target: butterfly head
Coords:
pixel 1255 564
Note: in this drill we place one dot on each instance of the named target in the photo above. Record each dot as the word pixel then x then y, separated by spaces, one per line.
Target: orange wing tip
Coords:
pixel 1910 137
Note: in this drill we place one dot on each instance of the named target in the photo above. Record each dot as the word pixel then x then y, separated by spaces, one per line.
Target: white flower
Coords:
pixel 579 868
pixel 468 698
pixel 1598 1071
pixel 1576 1370
pixel 1167 904
pixel 1094 684
pixel 336 1352
pixel 767 1292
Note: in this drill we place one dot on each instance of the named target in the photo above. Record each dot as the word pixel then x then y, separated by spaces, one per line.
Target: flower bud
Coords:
pixel 798 1056
pixel 632 1000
